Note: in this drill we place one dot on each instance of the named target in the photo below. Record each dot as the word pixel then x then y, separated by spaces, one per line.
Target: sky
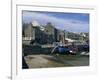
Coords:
pixel 72 22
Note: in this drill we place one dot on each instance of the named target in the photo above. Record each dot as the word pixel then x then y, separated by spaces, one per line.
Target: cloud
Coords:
pixel 73 25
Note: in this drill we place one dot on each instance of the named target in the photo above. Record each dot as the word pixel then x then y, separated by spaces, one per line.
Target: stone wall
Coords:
pixel 31 49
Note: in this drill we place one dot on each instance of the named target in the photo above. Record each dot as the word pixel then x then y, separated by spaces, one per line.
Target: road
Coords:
pixel 47 61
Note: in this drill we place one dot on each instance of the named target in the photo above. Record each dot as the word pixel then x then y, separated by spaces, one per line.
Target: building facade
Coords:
pixel 43 34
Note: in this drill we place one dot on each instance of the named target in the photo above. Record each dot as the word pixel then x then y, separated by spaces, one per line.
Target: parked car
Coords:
pixel 84 53
pixel 83 48
pixel 63 50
